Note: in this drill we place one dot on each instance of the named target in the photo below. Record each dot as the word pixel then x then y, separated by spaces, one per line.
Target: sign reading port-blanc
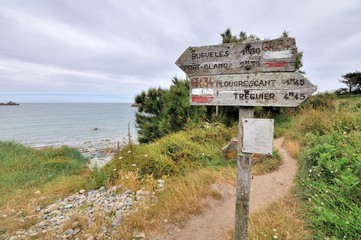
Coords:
pixel 234 58
pixel 253 74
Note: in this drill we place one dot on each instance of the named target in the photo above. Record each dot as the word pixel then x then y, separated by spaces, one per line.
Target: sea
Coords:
pixel 54 124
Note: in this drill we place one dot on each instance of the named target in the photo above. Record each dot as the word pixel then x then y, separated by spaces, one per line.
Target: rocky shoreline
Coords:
pixel 76 216
pixel 100 152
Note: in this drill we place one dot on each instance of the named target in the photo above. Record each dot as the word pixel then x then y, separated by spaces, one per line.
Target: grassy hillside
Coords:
pixel 35 177
pixel 24 168
pixel 324 133
pixel 330 165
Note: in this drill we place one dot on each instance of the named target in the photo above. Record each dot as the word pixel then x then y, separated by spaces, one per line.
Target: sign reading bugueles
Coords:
pixel 235 58
pixel 253 74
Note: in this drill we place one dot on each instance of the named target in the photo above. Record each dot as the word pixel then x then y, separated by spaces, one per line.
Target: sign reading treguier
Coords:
pixel 253 74
pixel 287 89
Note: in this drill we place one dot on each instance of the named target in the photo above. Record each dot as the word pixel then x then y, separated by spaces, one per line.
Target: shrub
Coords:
pixel 173 154
pixel 320 101
pixel 330 178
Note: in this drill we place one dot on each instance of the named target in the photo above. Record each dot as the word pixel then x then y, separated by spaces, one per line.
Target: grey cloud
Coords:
pixel 123 47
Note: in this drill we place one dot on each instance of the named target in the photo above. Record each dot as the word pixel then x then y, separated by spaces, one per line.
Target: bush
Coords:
pixel 320 101
pixel 173 154
pixel 163 111
pixel 330 182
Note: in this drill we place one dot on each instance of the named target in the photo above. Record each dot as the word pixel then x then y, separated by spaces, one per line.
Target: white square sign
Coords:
pixel 257 135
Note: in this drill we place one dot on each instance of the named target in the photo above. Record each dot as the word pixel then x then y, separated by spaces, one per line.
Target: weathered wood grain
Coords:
pixel 235 58
pixel 254 97
pixel 276 80
pixel 244 163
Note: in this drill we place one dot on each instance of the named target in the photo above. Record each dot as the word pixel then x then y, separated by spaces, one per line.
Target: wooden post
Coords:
pixel 244 162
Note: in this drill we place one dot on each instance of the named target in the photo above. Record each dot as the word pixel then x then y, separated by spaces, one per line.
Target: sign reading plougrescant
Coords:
pixel 253 74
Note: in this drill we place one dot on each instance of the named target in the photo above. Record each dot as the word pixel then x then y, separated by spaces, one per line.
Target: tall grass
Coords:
pixel 181 198
pixel 24 168
pixel 329 178
pixel 330 184
pixel 173 155
pixel 282 220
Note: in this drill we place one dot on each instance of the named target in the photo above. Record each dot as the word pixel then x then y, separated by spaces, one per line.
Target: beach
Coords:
pixel 97 130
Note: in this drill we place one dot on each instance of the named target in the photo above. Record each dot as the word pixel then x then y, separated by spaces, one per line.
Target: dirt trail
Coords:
pixel 265 190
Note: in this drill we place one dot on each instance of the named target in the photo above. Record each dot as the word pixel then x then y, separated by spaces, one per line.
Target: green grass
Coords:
pixel 23 167
pixel 174 154
pixel 329 178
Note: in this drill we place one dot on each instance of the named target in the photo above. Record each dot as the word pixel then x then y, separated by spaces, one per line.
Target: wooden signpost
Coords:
pixel 252 74
pixel 234 58
pixel 279 89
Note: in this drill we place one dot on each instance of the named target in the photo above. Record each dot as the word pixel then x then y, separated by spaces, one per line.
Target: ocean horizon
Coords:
pixel 54 124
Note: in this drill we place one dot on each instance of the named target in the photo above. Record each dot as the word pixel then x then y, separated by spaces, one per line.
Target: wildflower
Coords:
pixel 145 155
pixel 347 222
pixel 275 237
pixel 134 165
pixel 120 157
pixel 114 169
pixel 275 230
pixel 129 151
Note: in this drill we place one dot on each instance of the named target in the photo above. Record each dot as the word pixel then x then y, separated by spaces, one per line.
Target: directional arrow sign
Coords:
pixel 287 89
pixel 234 58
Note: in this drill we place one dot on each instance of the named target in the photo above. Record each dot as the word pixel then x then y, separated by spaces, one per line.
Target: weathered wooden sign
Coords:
pixel 287 89
pixel 252 74
pixel 234 58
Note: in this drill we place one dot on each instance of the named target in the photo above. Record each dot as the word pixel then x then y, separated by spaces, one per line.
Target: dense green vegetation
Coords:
pixel 329 178
pixel 163 111
pixel 327 127
pixel 24 167
pixel 174 154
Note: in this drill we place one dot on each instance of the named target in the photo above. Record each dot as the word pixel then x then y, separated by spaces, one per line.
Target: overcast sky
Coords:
pixel 110 50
